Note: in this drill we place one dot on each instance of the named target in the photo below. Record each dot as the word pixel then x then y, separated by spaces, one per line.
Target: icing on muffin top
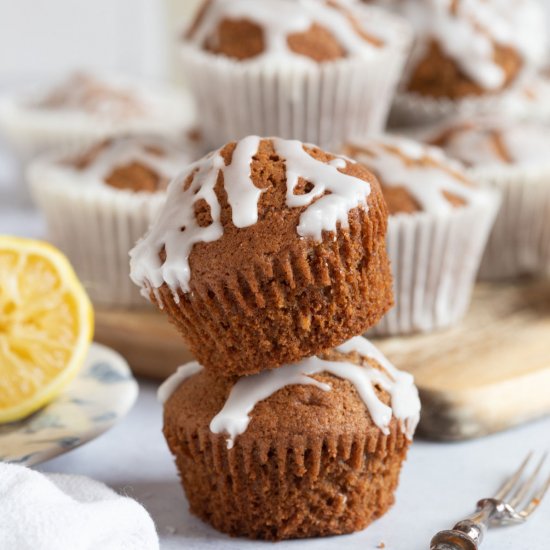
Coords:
pixel 372 371
pixel 83 92
pixel 322 192
pixel 491 141
pixel 408 169
pixel 469 31
pixel 136 164
pixel 280 30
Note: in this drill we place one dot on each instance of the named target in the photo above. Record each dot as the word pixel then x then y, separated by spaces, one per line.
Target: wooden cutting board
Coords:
pixel 490 373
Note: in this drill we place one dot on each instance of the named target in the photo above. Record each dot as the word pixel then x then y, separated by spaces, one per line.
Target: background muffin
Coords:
pixel 513 157
pixel 85 109
pixel 467 53
pixel 315 71
pixel 438 228
pixel 319 455
pixel 98 202
pixel 267 251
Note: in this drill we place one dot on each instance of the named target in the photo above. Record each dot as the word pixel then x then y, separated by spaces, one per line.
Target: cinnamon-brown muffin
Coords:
pixel 438 227
pixel 266 252
pixel 97 202
pixel 511 156
pixel 309 459
pixel 277 67
pixel 469 48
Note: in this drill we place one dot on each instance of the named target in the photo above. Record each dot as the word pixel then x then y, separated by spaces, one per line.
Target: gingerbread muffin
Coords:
pixel 279 67
pixel 267 251
pixel 513 157
pixel 439 225
pixel 310 449
pixel 467 50
pixel 99 201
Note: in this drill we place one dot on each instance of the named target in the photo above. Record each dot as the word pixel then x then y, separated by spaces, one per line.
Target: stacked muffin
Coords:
pixel 269 256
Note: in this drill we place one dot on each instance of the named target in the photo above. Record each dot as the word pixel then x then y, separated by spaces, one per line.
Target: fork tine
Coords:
pixel 509 485
pixel 524 488
pixel 536 500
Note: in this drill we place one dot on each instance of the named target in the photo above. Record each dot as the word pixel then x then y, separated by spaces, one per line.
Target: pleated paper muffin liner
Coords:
pixel 325 104
pixel 95 226
pixel 520 240
pixel 413 109
pixel 278 310
pixel 435 261
pixel 256 489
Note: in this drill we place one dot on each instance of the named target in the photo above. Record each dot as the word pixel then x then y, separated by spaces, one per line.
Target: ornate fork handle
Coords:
pixel 469 533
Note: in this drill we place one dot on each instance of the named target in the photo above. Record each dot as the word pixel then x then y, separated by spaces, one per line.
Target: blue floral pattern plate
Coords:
pixel 101 394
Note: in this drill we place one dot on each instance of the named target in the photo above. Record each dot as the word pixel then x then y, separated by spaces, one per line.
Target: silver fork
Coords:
pixel 512 505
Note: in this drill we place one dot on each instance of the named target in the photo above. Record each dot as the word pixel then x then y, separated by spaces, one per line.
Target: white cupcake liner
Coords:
pixel 326 104
pixel 520 240
pixel 435 260
pixel 95 226
pixel 413 109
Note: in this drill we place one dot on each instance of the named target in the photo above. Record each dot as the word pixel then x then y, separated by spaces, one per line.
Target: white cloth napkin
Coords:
pixel 63 512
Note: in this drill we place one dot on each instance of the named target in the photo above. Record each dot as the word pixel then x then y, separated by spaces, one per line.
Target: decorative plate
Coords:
pixel 101 394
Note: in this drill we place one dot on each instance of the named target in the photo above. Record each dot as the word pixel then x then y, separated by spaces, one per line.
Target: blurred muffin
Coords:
pixel 307 450
pixel 439 225
pixel 531 100
pixel 513 157
pixel 467 53
pixel 86 109
pixel 98 202
pixel 318 71
pixel 267 251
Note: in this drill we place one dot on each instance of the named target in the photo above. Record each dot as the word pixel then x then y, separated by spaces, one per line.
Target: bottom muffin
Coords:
pixel 307 450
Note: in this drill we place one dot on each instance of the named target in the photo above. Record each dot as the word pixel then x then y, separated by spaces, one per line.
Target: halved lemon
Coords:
pixel 46 325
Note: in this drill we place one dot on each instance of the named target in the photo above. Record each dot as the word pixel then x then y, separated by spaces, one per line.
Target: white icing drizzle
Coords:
pixel 122 151
pixel 469 34
pixel 281 18
pixel 176 229
pixel 474 142
pixel 426 183
pixel 171 384
pixel 248 391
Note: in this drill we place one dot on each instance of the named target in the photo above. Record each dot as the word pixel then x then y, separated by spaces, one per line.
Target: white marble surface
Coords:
pixel 440 482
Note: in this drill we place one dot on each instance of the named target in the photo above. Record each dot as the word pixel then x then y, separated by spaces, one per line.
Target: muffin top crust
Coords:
pixel 279 30
pixel 415 177
pixel 491 141
pixel 250 201
pixel 471 47
pixel 134 164
pixel 351 385
pixel 89 94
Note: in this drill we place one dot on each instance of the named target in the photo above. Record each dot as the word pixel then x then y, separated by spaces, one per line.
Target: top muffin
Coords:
pixel 267 251
pixel 317 30
pixel 471 47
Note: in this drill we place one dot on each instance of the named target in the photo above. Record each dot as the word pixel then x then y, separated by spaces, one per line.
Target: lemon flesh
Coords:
pixel 46 326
